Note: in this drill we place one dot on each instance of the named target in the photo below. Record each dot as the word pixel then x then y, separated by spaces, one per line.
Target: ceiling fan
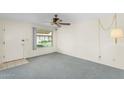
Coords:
pixel 58 22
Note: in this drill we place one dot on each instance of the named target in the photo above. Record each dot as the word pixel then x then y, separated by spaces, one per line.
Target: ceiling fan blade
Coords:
pixel 65 23
pixel 58 25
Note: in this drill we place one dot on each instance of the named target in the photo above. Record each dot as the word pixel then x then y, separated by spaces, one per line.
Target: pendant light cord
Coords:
pixel 101 27
pixel 115 17
pixel 99 40
pixel 114 21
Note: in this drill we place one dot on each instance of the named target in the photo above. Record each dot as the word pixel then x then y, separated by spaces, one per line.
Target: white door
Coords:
pixel 13 41
pixel 2 43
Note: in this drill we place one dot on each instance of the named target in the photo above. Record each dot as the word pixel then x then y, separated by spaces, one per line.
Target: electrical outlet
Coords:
pixel 99 57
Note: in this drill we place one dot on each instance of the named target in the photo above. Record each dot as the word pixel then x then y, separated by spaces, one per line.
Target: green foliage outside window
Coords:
pixel 44 43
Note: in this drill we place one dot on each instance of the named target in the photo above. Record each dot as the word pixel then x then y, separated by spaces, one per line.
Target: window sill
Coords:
pixel 45 47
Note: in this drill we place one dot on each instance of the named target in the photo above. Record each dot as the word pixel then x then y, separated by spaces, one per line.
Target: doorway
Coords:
pixel 13 38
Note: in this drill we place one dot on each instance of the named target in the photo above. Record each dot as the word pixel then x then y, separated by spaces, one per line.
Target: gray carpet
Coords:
pixel 60 66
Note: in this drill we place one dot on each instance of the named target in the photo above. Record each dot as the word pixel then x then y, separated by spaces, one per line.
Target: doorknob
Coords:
pixel 23 40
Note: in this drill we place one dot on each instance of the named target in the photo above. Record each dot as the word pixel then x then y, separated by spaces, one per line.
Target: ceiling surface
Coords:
pixel 45 18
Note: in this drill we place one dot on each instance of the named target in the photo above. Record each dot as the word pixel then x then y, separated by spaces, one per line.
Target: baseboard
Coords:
pixel 95 61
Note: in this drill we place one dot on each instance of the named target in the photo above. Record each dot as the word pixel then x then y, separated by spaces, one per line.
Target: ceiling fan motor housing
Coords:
pixel 57 21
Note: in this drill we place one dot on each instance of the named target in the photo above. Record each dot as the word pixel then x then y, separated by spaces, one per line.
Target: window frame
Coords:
pixel 52 42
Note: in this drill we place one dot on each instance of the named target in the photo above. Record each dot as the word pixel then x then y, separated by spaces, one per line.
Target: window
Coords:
pixel 44 38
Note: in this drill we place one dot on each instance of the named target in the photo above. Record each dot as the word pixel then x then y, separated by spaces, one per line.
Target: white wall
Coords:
pixel 81 40
pixel 15 32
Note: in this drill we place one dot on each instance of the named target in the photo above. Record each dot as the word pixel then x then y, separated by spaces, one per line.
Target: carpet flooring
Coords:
pixel 60 66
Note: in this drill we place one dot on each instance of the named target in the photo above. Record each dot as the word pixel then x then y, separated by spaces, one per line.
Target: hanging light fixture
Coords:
pixel 116 32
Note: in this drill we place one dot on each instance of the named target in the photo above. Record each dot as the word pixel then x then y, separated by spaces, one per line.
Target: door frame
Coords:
pixel 2 45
